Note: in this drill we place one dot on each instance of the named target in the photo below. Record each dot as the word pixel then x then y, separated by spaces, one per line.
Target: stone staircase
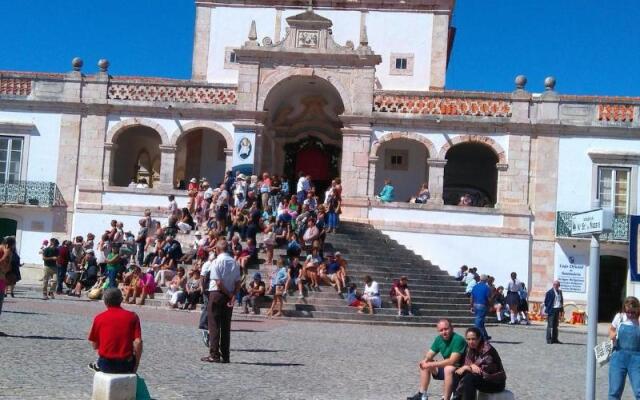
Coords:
pixel 435 293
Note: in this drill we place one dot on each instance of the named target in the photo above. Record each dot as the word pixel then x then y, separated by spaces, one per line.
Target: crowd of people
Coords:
pixel 251 213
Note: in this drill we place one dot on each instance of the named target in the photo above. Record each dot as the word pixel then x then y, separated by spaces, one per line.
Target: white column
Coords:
pixel 109 152
pixel 371 190
pixel 167 165
pixel 436 180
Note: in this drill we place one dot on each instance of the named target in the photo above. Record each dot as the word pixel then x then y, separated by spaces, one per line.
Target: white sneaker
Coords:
pixel 301 296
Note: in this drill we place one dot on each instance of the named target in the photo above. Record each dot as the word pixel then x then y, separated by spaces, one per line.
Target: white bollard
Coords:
pixel 114 386
pixel 504 395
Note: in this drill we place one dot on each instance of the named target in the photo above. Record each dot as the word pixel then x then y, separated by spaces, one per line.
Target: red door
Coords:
pixel 314 162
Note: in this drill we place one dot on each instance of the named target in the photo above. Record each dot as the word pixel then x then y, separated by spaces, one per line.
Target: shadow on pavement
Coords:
pixel 246 330
pixel 504 342
pixel 41 337
pixel 23 312
pixel 266 364
pixel 258 350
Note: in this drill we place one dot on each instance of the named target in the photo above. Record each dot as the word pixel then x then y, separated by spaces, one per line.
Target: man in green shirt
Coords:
pixel 452 348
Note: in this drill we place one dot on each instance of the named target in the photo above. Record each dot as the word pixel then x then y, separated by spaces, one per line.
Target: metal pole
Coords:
pixel 592 314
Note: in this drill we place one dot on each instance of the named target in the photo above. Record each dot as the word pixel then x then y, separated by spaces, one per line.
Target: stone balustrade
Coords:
pixel 171 92
pixel 438 104
pixel 518 107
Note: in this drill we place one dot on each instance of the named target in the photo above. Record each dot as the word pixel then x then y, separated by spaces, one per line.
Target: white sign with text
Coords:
pixel 594 221
pixel 572 277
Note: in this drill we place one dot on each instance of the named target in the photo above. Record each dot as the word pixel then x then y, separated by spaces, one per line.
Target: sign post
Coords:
pixel 592 223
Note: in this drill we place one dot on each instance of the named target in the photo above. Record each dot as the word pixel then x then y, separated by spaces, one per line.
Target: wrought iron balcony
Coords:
pixel 619 233
pixel 41 194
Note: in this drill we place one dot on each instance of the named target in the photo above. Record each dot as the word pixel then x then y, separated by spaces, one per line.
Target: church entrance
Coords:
pixel 313 157
pixel 612 288
pixel 303 131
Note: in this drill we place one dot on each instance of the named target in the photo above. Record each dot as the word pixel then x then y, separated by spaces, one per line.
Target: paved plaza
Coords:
pixel 46 352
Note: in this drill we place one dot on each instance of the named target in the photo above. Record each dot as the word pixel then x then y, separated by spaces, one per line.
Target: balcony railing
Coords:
pixel 619 233
pixel 41 194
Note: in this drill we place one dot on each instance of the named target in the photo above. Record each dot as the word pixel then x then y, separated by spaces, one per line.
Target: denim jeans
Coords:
pixel 61 273
pixel 332 220
pixel 111 274
pixel 480 311
pixel 140 253
pixel 625 360
pixel 116 366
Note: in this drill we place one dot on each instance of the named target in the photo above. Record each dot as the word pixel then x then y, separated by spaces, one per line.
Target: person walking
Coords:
pixel 49 257
pixel 553 305
pixel 480 296
pixel 224 284
pixel 625 360
pixel 7 247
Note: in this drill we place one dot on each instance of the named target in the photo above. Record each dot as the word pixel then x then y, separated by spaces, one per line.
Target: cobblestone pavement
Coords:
pixel 45 355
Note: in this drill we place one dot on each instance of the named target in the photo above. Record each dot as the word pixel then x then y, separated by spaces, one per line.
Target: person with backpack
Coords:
pixel 523 307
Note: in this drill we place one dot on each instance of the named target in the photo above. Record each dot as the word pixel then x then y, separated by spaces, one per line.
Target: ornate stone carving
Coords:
pixel 432 105
pixel 176 94
pixel 307 39
pixel 615 112
pixel 15 86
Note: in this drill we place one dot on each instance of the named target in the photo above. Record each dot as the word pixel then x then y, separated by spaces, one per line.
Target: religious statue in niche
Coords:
pixel 244 148
pixel 308 39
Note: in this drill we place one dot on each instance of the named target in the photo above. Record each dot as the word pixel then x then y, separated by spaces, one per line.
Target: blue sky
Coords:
pixel 591 46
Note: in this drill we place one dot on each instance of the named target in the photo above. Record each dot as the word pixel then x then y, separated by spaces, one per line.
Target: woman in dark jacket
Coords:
pixel 482 369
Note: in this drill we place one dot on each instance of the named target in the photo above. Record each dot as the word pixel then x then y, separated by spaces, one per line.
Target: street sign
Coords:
pixel 590 222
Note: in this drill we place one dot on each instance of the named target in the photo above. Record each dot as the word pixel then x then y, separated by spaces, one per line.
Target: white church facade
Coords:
pixel 354 89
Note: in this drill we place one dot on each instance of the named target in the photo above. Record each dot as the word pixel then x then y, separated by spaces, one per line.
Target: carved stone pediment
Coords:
pixel 308 39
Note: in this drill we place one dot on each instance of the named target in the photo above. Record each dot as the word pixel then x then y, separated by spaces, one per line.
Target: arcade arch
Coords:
pixel 471 170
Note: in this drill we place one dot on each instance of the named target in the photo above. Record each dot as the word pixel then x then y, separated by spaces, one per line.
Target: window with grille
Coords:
pixel 10 158
pixel 613 189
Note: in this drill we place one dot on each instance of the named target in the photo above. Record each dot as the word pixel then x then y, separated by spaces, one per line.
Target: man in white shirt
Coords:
pixel 553 305
pixel 371 294
pixel 224 284
pixel 300 192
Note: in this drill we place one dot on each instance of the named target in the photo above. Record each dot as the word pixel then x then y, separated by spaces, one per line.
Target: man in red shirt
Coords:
pixel 116 336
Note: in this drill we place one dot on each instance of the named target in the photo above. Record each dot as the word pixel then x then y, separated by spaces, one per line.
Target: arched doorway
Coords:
pixel 136 157
pixel 404 162
pixel 312 156
pixel 200 153
pixel 303 129
pixel 471 170
pixel 612 286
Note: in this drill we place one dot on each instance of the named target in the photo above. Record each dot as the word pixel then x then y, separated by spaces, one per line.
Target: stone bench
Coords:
pixel 114 386
pixel 504 395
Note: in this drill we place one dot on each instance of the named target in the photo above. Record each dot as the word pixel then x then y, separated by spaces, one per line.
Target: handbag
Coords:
pixel 603 352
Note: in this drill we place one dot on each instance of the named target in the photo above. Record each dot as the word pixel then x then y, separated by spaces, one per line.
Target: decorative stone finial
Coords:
pixel 253 32
pixel 103 64
pixel 364 38
pixel 310 6
pixel 77 63
pixel 521 82
pixel 549 83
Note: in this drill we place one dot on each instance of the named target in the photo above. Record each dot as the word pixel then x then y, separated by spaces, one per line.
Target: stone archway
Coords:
pixel 133 154
pixel 389 136
pixel 120 127
pixel 485 140
pixel 395 156
pixel 302 111
pixel 471 175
